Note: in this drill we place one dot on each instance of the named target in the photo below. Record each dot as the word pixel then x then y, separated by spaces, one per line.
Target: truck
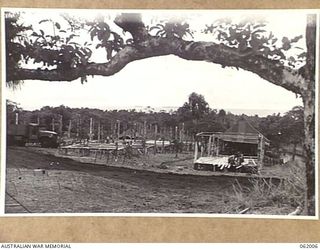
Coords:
pixel 20 134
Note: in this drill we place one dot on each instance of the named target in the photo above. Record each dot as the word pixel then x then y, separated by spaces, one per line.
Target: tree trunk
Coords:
pixel 308 95
pixel 309 149
pixel 294 151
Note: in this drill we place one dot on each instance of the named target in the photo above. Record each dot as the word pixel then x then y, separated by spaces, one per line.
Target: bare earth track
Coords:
pixel 43 183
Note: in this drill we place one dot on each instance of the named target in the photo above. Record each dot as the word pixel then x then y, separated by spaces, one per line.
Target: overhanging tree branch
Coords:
pixel 132 23
pixel 270 70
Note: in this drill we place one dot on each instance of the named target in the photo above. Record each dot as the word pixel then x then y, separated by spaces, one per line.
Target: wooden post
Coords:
pixel 201 147
pixel 176 133
pixel 118 130
pixel 99 132
pixel 145 129
pixel 222 146
pixel 187 140
pixel 52 124
pixel 261 149
pixel 155 138
pixel 209 145
pixel 17 119
pixel 69 129
pixel 139 128
pixel 162 150
pixel 60 124
pixel 38 120
pixel 218 142
pixel 78 126
pixel 102 133
pixel 196 151
pixel 90 129
pixel 182 133
pixel 113 129
pixel 135 131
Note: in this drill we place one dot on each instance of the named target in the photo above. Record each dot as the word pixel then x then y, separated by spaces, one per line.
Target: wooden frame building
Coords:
pixel 215 148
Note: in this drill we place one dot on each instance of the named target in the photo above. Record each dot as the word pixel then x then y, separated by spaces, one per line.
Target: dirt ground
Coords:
pixel 181 163
pixel 43 183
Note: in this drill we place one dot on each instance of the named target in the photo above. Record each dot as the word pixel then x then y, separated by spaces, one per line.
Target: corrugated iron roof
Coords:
pixel 241 138
pixel 242 132
pixel 243 127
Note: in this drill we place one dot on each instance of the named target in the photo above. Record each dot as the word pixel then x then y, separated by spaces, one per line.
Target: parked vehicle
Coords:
pixel 20 134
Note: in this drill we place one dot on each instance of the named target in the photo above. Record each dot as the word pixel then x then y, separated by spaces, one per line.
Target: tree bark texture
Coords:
pixel 308 96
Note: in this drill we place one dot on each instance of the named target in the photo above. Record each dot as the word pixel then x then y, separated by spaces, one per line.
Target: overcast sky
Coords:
pixel 168 80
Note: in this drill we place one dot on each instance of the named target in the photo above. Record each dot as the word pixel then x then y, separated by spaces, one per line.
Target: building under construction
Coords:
pixel 240 149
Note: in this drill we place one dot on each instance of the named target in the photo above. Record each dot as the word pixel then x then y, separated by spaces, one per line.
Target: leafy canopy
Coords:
pixel 70 42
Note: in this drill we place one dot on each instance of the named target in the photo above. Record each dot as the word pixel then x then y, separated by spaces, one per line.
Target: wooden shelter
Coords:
pixel 215 149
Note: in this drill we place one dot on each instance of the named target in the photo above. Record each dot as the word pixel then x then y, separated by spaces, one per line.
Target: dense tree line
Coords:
pixel 192 117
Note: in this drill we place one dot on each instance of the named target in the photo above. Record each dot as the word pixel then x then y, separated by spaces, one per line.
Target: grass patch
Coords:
pixel 268 196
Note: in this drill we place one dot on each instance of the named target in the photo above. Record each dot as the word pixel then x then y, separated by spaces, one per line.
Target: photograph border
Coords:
pixel 173 214
pixel 140 216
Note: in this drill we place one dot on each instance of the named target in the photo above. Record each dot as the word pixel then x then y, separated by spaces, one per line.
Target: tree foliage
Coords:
pixel 64 51
pixel 279 129
pixel 14 39
pixel 195 108
pixel 250 36
pixel 172 29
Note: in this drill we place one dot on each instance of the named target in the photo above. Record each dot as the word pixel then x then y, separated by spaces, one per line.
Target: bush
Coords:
pixel 271 196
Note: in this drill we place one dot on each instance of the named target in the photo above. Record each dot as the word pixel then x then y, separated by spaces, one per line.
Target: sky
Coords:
pixel 167 81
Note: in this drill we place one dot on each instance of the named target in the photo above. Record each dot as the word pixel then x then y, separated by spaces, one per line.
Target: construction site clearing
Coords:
pixel 39 182
pixel 149 175
pixel 166 162
pixel 240 151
